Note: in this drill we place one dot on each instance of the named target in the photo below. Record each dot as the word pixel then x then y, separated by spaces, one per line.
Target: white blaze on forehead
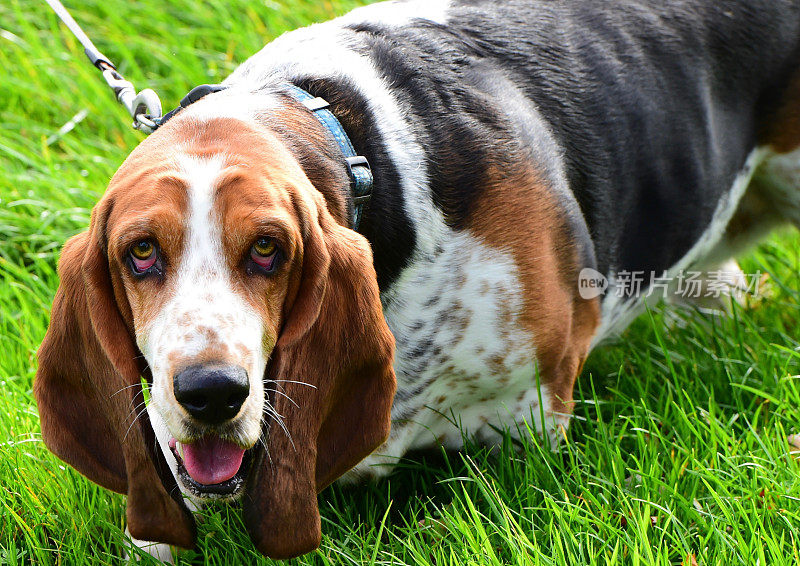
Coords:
pixel 206 319
pixel 204 245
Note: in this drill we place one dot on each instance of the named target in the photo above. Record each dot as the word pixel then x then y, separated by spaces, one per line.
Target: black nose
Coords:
pixel 211 393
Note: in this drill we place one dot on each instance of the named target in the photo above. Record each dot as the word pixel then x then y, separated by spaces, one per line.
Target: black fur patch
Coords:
pixel 656 104
pixel 385 223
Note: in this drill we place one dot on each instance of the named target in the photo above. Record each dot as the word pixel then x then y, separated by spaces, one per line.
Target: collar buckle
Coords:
pixel 358 168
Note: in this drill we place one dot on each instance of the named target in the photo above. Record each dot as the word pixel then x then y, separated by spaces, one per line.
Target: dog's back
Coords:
pixel 656 105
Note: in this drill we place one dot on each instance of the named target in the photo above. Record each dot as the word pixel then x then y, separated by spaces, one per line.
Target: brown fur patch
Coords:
pixel 518 214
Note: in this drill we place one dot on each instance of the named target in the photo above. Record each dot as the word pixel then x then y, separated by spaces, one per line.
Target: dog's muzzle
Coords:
pixel 212 394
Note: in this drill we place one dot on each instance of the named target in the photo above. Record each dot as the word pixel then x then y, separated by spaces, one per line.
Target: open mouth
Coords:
pixel 212 467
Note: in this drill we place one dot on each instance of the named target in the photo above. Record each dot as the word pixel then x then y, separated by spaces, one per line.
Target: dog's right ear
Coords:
pixel 90 401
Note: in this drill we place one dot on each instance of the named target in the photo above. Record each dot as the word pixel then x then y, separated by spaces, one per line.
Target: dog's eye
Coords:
pixel 265 247
pixel 264 252
pixel 143 255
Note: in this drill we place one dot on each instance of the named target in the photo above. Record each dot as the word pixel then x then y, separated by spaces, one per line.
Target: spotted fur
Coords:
pixel 205 319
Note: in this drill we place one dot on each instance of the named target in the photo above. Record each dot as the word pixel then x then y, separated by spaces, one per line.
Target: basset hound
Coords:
pixel 382 224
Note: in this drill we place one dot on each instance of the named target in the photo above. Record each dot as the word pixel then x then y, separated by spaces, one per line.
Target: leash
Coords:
pixel 144 107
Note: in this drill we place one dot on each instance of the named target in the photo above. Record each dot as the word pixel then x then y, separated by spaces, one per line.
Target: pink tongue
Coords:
pixel 212 460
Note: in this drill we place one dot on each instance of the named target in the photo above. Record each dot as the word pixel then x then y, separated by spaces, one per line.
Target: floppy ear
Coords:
pixel 336 339
pixel 89 394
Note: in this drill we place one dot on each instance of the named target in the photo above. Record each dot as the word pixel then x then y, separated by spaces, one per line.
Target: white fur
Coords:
pixel 239 105
pixel 398 14
pixel 159 551
pixel 204 312
pixel 466 302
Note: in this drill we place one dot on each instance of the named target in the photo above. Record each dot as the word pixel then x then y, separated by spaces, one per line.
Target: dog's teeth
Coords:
pixel 179 448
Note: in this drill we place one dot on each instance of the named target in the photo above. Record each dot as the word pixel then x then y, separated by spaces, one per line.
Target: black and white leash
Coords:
pixel 144 106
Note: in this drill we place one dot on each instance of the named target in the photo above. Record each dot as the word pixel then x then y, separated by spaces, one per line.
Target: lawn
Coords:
pixel 679 453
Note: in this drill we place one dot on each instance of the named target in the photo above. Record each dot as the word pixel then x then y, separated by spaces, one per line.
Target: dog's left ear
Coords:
pixel 335 339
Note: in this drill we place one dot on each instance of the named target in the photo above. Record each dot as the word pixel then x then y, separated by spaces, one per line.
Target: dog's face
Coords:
pixel 206 254
pixel 214 268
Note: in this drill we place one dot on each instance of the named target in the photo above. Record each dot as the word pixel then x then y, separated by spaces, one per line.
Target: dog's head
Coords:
pixel 214 268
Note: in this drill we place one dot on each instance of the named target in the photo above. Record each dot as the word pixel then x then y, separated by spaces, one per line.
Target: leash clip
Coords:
pixel 144 106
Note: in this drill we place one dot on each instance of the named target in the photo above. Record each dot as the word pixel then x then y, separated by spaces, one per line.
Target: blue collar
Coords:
pixel 357 165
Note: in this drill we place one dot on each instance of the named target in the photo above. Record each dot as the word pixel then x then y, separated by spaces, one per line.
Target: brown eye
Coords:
pixel 264 252
pixel 143 250
pixel 143 255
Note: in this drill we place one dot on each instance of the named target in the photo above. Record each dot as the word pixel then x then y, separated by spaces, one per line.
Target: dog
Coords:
pixel 384 223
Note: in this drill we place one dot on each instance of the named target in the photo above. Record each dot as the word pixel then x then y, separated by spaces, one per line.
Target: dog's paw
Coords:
pixel 157 550
pixel 714 289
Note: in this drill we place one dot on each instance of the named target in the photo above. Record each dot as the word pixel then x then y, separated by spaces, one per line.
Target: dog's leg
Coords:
pixel 712 289
pixel 778 182
pixel 778 178
pixel 772 199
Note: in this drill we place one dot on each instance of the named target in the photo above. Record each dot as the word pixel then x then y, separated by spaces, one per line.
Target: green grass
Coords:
pixel 679 445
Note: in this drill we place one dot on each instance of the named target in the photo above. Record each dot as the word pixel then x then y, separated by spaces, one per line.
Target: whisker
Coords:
pixel 136 418
pixel 136 408
pixel 263 441
pixel 271 411
pixel 123 389
pixel 291 381
pixel 289 398
pixel 282 392
pixel 275 416
pixel 279 419
pixel 269 456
